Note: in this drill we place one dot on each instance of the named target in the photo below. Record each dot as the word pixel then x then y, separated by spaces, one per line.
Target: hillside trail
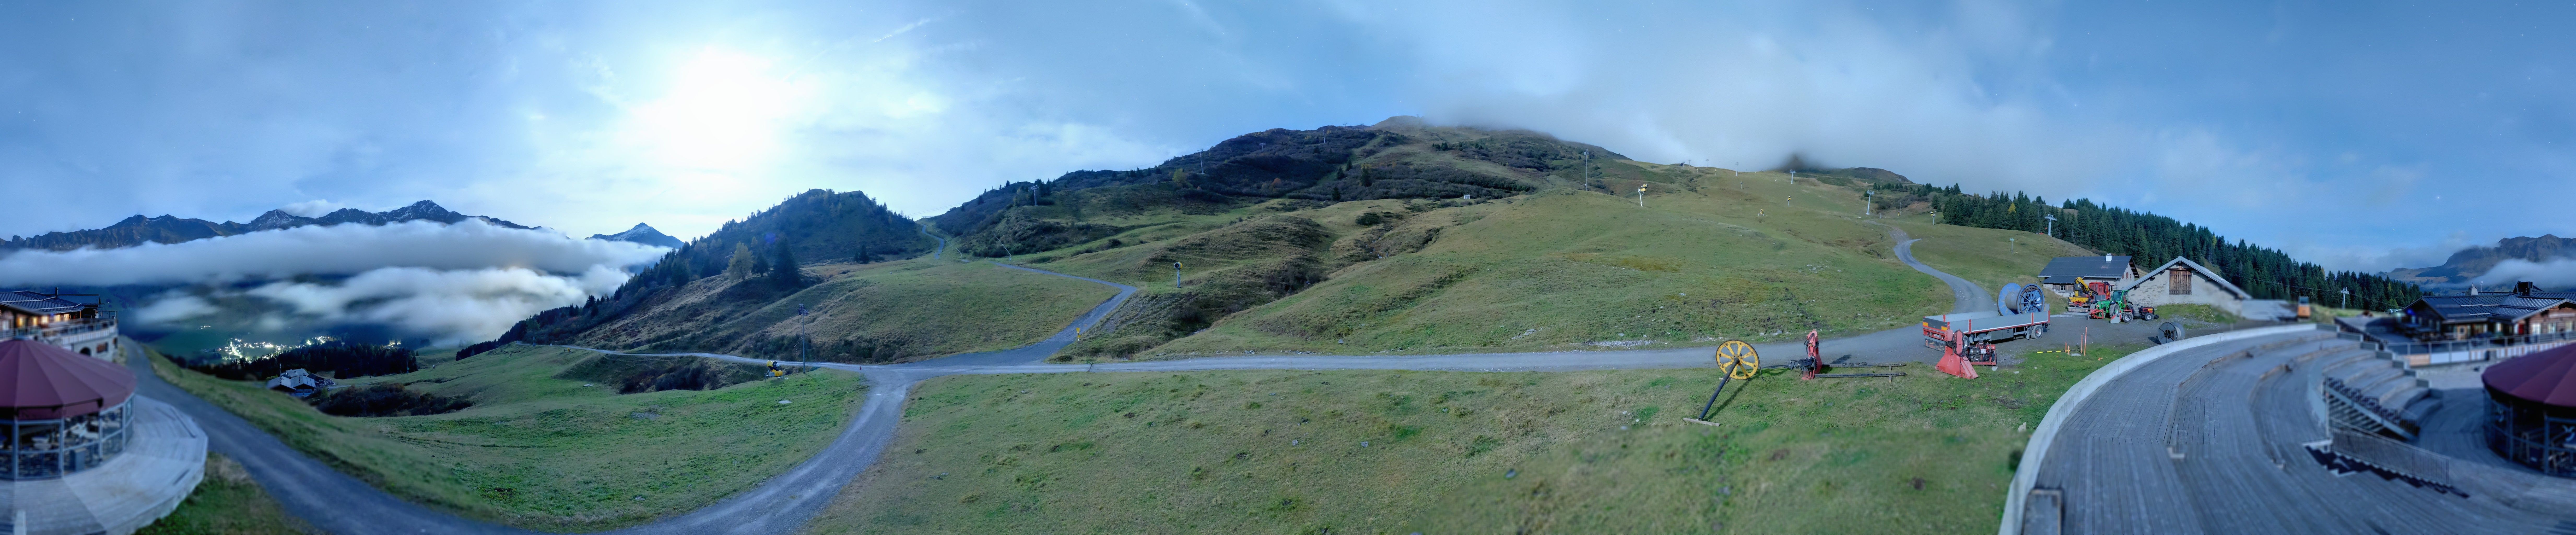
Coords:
pixel 339 503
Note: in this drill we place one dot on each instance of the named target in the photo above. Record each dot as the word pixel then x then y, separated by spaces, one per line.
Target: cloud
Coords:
pixel 333 250
pixel 456 283
pixel 450 306
pixel 170 307
pixel 312 208
pixel 2556 273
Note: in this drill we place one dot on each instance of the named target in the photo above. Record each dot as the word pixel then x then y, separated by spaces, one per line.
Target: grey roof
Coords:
pixel 2090 267
pixel 2195 268
pixel 38 303
pixel 2487 307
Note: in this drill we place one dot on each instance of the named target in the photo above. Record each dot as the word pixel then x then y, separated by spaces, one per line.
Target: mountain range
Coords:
pixel 138 230
pixel 643 234
pixel 2468 264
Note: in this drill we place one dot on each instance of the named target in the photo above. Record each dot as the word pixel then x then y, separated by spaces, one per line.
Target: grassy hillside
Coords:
pixel 228 502
pixel 545 453
pixel 1451 452
pixel 1711 256
pixel 881 312
pixel 1985 256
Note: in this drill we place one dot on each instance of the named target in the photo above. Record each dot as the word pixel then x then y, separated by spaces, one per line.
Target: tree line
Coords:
pixel 2152 239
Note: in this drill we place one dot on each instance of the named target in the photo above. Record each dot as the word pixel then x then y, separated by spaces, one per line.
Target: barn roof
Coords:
pixel 41 382
pixel 2090 267
pixel 2547 377
pixel 2195 268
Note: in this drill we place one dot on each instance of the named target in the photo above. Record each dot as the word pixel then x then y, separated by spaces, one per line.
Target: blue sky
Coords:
pixel 2360 135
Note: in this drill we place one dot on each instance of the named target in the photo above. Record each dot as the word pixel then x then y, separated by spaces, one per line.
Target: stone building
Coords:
pixel 2184 282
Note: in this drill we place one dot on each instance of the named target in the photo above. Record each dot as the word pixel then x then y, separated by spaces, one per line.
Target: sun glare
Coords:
pixel 724 111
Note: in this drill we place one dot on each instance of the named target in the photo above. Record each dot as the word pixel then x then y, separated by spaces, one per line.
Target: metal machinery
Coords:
pixel 2118 309
pixel 1735 360
pixel 1968 339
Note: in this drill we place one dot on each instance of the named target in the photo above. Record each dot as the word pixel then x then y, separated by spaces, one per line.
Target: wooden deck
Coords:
pixel 165 457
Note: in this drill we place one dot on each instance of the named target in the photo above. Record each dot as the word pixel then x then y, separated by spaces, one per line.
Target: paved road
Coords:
pixel 2209 440
pixel 341 504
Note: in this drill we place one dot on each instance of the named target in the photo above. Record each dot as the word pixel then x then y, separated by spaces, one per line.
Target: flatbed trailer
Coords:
pixel 1939 330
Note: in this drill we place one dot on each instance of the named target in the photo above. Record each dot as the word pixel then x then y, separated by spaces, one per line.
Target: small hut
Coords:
pixel 2532 419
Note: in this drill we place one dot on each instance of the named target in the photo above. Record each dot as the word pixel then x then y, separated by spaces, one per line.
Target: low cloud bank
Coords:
pixel 317 250
pixel 453 283
pixel 2556 274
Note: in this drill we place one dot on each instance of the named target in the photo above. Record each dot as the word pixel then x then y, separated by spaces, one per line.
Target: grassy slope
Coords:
pixel 978 307
pixel 1450 452
pixel 1576 266
pixel 551 454
pixel 227 503
pixel 1983 256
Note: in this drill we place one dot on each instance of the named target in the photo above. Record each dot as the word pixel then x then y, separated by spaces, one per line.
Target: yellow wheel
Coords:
pixel 1738 359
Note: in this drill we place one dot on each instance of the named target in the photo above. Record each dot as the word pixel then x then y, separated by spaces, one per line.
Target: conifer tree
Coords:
pixel 741 266
pixel 784 267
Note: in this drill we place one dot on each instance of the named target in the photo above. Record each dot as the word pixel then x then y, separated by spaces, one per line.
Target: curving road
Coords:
pixel 342 504
pixel 2210 438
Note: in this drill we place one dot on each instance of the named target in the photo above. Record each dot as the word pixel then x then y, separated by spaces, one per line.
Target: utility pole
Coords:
pixel 803 342
pixel 1865 199
pixel 2012 245
pixel 1176 275
pixel 1641 195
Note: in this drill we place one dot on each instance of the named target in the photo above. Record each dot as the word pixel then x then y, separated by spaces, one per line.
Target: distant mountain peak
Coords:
pixel 138 229
pixel 643 234
pixel 2468 264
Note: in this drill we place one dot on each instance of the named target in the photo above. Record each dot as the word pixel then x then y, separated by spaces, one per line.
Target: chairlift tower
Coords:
pixel 2052 223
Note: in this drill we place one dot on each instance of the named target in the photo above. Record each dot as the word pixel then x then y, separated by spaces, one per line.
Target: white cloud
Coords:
pixel 333 250
pixel 170 307
pixel 451 306
pixel 457 283
pixel 2556 273
pixel 312 208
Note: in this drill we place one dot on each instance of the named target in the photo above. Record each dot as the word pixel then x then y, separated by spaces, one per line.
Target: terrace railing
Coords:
pixel 60 329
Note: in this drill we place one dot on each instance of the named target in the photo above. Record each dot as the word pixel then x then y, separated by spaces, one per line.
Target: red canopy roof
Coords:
pixel 41 382
pixel 2547 377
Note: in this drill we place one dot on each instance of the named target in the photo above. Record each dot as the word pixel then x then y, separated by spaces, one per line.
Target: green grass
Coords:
pixel 227 503
pixel 1453 452
pixel 1545 270
pixel 1982 255
pixel 2202 313
pixel 551 454
pixel 873 313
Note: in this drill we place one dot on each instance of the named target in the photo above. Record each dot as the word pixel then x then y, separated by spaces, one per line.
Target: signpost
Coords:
pixel 1737 360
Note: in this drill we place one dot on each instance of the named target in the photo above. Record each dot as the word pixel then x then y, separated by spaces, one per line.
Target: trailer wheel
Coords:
pixel 2036 331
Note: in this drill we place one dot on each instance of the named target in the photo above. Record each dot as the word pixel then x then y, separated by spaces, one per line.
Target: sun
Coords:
pixel 724 110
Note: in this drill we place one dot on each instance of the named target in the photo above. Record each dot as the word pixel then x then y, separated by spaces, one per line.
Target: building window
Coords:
pixel 2178 281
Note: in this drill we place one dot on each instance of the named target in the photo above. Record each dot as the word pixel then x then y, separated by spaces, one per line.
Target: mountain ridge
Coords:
pixel 137 230
pixel 2470 263
pixel 644 234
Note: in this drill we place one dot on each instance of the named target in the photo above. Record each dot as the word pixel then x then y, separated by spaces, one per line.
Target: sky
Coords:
pixel 2360 135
